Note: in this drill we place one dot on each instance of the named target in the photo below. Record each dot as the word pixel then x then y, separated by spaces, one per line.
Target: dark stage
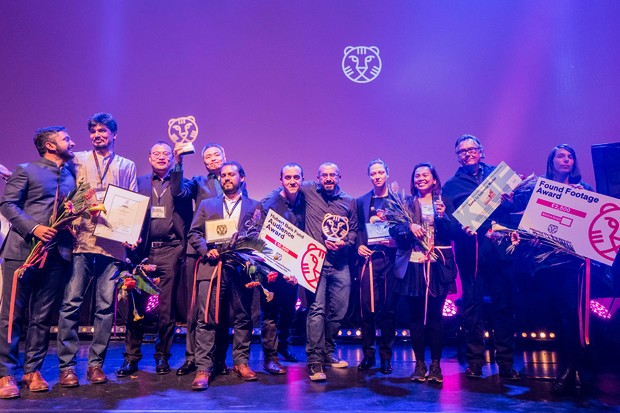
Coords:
pixel 345 389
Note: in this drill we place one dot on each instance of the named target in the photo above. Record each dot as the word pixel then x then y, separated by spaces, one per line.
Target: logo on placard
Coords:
pixel 552 229
pixel 277 256
pixel 335 227
pixel 221 230
pixel 310 268
pixel 361 64
pixel 604 231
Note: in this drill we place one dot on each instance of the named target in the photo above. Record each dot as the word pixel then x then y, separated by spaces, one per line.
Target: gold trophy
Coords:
pixel 335 227
pixel 183 130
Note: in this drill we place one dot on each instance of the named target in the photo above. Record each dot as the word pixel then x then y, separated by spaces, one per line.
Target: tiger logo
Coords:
pixel 361 64
pixel 183 129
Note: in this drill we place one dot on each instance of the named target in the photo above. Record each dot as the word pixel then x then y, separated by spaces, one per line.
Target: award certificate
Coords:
pixel 125 215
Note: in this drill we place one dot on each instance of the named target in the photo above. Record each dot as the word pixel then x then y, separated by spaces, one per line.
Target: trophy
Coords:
pixel 183 130
pixel 335 227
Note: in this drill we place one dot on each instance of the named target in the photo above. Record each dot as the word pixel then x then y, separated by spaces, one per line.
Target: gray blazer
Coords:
pixel 28 201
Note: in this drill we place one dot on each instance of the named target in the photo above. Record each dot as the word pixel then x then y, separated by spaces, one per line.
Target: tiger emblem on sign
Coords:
pixel 361 64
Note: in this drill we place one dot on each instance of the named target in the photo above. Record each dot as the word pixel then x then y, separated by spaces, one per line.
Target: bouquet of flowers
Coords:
pixel 135 279
pixel 81 202
pixel 240 253
pixel 552 248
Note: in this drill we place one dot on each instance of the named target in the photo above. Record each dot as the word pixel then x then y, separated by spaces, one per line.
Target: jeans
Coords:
pixel 328 306
pixel 87 268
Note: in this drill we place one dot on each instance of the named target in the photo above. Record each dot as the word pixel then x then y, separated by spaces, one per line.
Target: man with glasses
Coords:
pixel 331 218
pixel 483 266
pixel 164 238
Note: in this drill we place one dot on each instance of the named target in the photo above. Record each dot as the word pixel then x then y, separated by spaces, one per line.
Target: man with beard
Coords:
pixel 217 285
pixel 378 268
pixel 200 188
pixel 277 314
pixel 483 266
pixel 94 259
pixel 31 199
pixel 331 218
pixel 164 235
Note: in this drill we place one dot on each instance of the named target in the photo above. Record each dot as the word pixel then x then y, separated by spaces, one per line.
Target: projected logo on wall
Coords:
pixel 361 64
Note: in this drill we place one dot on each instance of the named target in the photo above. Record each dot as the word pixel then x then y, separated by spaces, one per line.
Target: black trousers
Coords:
pixel 39 291
pixel 493 276
pixel 430 334
pixel 277 317
pixel 385 301
pixel 169 261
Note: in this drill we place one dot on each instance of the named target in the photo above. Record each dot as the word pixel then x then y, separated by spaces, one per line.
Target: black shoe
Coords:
pixel 367 363
pixel 288 356
pixel 162 366
pixel 127 369
pixel 273 366
pixel 386 367
pixel 473 371
pixel 565 381
pixel 434 372
pixel 508 373
pixel 187 368
pixel 332 360
pixel 419 373
pixel 316 373
pixel 220 369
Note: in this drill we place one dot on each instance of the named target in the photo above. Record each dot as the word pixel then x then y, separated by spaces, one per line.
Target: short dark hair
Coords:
pixel 380 162
pixel 436 188
pixel 212 145
pixel 104 119
pixel 43 135
pixel 292 165
pixel 236 164
pixel 160 143
pixel 574 177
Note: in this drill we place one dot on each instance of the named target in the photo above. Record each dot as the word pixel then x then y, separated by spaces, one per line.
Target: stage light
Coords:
pixel 349 333
pixel 298 305
pixel 533 334
pixel 542 335
pixel 599 310
pixel 152 303
pixel 551 335
pixel 358 333
pixel 486 334
pixel 449 308
pixel 339 332
pixel 524 334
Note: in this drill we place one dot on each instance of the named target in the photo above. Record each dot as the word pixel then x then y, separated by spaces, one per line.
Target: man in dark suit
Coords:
pixel 379 258
pixel 164 235
pixel 30 202
pixel 230 285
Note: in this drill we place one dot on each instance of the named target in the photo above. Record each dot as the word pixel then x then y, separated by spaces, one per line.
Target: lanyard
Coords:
pixel 230 212
pixel 162 192
pixel 105 170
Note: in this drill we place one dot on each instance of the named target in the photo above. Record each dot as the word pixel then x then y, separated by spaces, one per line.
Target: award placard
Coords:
pixel 487 197
pixel 293 252
pixel 183 130
pixel 124 217
pixel 218 231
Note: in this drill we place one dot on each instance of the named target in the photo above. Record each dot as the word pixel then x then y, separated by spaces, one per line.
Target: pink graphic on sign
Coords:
pixel 604 230
pixel 310 267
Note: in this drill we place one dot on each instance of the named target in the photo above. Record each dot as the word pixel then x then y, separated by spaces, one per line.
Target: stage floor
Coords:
pixel 344 390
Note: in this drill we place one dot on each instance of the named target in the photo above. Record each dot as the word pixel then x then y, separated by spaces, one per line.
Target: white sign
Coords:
pixel 293 252
pixel 486 198
pixel 582 221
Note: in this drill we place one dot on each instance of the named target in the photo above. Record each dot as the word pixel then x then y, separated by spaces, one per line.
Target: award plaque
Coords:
pixel 335 227
pixel 183 130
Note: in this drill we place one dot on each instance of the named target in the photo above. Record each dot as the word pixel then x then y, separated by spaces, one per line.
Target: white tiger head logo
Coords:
pixel 361 64
pixel 183 129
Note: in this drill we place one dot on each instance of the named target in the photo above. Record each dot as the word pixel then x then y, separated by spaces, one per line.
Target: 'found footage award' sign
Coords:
pixel 293 251
pixel 582 221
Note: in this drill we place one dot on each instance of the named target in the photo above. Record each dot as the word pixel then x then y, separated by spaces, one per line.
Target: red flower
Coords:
pixel 129 283
pixel 252 284
pixel 271 277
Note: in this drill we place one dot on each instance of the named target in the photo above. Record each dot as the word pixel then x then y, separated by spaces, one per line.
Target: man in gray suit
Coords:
pixel 30 202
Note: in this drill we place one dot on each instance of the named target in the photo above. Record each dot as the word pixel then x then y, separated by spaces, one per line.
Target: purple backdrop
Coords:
pixel 264 78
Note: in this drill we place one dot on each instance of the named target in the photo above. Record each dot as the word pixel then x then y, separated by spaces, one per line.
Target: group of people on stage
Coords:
pixel 418 261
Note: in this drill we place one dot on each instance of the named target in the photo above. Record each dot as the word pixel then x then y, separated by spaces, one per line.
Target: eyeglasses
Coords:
pixel 158 154
pixel 469 151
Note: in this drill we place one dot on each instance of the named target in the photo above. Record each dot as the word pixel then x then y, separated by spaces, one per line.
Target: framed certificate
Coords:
pixel 124 217
pixel 218 231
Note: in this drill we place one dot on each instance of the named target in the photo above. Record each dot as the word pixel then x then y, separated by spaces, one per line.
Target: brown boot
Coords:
pixel 35 382
pixel 8 388
pixel 68 378
pixel 95 375
pixel 201 381
pixel 245 372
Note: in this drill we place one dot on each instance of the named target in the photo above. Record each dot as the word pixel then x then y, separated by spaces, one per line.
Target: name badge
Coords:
pixel 100 194
pixel 158 212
